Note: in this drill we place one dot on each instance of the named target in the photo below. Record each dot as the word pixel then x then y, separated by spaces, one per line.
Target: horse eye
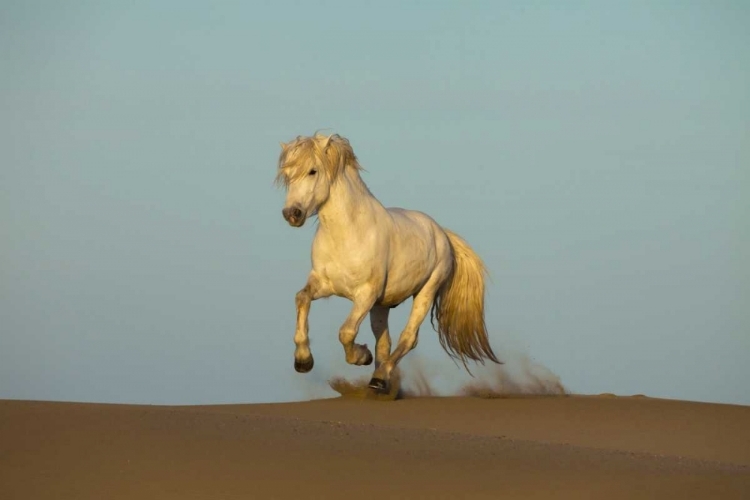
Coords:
pixel 313 172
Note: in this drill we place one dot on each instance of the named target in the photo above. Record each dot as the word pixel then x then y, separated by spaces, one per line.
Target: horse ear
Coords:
pixel 283 146
pixel 325 142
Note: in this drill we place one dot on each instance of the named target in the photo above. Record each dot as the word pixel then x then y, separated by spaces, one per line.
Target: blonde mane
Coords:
pixel 332 154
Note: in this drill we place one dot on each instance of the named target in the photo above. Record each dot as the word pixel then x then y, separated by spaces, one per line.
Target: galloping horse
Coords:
pixel 377 258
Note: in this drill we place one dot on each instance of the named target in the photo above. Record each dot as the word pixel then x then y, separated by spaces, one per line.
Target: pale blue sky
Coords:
pixel 595 154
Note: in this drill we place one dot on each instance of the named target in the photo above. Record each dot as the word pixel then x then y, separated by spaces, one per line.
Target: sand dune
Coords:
pixel 514 447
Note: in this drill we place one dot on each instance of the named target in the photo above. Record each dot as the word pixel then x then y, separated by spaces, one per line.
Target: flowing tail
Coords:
pixel 459 307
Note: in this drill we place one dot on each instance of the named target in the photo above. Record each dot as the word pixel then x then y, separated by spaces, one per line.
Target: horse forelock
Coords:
pixel 333 154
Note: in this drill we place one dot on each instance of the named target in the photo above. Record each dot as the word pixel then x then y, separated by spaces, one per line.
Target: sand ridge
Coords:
pixel 524 447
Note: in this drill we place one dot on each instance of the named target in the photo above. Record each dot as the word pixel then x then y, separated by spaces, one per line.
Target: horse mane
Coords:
pixel 332 154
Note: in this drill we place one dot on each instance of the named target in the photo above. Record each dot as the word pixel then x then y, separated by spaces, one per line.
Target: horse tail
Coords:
pixel 459 307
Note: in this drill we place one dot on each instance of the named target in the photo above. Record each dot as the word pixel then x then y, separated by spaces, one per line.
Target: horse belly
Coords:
pixel 403 281
pixel 413 256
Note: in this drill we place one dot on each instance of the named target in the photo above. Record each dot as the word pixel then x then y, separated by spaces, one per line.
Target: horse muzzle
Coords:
pixel 294 216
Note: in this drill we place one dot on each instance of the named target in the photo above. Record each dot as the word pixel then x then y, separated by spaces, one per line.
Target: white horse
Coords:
pixel 377 258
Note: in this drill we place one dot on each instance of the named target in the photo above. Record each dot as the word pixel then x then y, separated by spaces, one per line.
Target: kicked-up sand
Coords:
pixel 567 447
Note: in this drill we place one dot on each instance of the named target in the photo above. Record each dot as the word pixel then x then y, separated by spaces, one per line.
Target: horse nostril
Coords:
pixel 292 214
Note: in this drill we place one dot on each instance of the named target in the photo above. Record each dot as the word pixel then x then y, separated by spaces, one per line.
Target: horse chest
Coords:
pixel 345 270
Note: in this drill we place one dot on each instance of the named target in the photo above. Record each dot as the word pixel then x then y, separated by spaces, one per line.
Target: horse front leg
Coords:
pixel 313 290
pixel 357 354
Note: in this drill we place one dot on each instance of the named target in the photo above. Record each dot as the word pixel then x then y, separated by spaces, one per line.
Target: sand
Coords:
pixel 454 447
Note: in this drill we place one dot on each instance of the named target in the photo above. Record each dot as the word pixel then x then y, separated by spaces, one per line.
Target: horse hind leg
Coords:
pixel 380 381
pixel 379 325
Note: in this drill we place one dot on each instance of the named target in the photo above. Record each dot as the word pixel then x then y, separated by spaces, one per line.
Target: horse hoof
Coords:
pixel 368 359
pixel 304 366
pixel 378 385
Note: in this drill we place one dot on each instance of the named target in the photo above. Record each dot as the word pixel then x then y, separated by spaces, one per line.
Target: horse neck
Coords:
pixel 349 205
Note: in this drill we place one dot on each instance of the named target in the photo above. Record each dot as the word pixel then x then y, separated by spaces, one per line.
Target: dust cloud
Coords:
pixel 359 389
pixel 518 376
